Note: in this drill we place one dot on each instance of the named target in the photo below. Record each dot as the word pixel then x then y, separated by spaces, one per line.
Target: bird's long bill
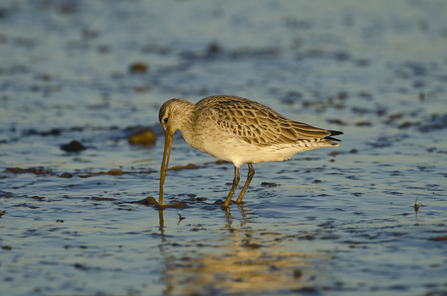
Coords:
pixel 164 164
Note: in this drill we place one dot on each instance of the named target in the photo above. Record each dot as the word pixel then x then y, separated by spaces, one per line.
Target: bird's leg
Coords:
pixel 233 188
pixel 251 173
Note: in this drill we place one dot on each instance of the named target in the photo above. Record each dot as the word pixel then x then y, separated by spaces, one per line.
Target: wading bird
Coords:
pixel 237 130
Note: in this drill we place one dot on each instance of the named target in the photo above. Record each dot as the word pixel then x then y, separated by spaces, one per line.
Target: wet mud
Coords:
pixel 81 83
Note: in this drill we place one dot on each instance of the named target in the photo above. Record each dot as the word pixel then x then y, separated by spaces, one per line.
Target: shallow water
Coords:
pixel 327 222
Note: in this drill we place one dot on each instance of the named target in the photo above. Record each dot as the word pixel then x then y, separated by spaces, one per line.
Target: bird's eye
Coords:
pixel 166 120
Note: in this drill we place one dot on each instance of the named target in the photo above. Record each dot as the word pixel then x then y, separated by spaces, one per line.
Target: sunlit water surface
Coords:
pixel 327 222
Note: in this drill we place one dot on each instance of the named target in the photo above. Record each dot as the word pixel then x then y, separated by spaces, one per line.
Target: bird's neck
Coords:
pixel 185 126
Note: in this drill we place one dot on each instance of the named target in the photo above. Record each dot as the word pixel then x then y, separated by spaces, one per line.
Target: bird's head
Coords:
pixel 172 116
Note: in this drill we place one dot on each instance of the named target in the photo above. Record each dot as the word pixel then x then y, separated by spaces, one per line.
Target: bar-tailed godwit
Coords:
pixel 237 130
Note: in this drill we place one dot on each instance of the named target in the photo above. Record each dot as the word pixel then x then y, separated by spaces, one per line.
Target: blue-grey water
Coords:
pixel 337 221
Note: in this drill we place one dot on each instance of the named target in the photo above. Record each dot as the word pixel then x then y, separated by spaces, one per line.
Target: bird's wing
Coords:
pixel 257 124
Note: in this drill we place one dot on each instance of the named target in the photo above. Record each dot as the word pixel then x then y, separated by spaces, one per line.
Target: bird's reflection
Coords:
pixel 236 258
pixel 161 222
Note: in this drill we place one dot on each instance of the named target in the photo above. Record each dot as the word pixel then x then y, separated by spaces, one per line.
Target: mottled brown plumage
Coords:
pixel 256 123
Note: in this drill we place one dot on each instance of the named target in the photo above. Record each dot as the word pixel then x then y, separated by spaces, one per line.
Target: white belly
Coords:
pixel 227 146
pixel 230 148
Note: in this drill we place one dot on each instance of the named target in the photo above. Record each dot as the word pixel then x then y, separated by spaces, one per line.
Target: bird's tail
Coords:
pixel 334 133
